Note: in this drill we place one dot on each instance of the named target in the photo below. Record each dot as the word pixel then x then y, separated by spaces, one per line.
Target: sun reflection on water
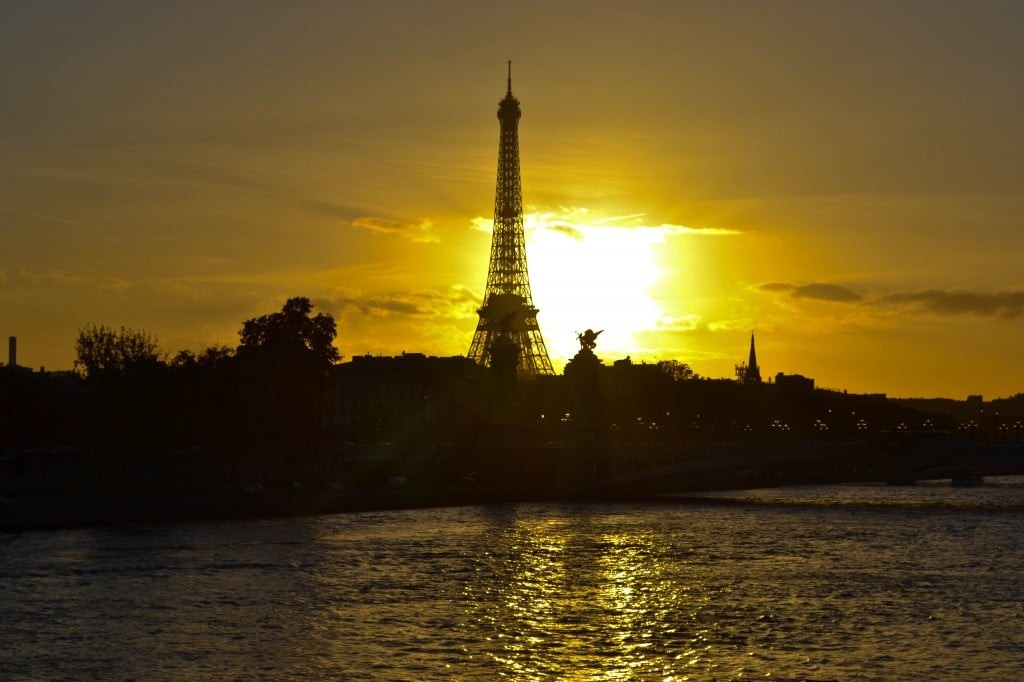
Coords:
pixel 570 607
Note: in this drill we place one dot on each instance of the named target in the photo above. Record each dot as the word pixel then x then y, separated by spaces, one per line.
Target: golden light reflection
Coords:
pixel 569 608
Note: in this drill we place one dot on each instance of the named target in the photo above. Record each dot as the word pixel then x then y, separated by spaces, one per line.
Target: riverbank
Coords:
pixel 77 491
pixel 78 511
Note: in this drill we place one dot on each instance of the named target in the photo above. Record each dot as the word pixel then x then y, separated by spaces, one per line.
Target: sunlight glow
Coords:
pixel 619 274
pixel 587 276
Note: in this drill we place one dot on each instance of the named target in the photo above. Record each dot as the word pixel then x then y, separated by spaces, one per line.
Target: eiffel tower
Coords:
pixel 508 318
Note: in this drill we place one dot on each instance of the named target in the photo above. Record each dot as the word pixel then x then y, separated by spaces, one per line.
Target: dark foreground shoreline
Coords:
pixel 80 511
pixel 167 498
pixel 73 512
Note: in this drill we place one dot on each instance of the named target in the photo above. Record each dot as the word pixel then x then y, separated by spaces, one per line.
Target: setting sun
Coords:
pixel 635 281
pixel 588 276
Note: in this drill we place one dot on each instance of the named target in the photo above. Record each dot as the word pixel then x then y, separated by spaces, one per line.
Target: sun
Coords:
pixel 638 282
pixel 592 275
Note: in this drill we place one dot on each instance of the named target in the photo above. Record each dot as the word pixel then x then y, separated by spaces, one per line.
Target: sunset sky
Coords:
pixel 844 179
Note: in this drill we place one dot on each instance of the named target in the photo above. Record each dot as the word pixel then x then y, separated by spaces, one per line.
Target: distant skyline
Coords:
pixel 843 179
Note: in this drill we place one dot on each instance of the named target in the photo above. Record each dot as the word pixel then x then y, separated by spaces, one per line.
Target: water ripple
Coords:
pixel 836 583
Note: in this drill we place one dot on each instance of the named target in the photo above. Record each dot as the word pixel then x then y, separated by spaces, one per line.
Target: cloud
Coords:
pixel 1005 304
pixel 686 323
pixel 112 283
pixel 725 325
pixel 39 216
pixel 456 302
pixel 685 229
pixel 577 216
pixel 632 217
pixel 819 291
pixel 579 223
pixel 567 230
pixel 580 219
pixel 481 224
pixel 777 287
pixel 826 292
pixel 949 302
pixel 106 284
pixel 421 232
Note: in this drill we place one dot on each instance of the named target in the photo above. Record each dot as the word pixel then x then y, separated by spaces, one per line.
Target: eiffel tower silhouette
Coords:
pixel 508 318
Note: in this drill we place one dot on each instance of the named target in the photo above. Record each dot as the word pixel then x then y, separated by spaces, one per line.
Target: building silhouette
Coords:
pixel 507 334
pixel 410 396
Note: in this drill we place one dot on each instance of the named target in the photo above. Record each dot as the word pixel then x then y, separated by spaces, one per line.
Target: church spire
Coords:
pixel 753 373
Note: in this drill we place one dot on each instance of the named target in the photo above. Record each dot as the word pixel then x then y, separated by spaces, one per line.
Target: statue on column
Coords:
pixel 588 339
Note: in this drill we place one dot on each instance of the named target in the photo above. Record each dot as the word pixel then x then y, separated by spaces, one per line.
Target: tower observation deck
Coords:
pixel 508 318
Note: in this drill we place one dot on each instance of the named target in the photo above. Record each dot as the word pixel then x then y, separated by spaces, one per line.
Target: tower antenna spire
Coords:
pixel 510 76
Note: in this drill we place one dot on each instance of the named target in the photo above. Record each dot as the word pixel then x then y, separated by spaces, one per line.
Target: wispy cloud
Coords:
pixel 1005 304
pixel 567 230
pixel 686 229
pixel 577 216
pixel 40 216
pixel 686 323
pixel 577 222
pixel 820 291
pixel 108 284
pixel 421 232
pixel 456 302
pixel 632 217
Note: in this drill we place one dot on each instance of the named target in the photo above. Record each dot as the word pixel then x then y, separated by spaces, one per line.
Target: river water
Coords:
pixel 847 582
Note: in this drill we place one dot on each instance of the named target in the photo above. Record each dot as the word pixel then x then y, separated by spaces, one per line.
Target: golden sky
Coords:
pixel 844 179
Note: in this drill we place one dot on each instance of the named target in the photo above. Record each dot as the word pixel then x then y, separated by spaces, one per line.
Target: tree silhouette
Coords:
pixel 127 386
pixel 678 371
pixel 211 358
pixel 284 362
pixel 205 393
pixel 101 352
pixel 292 333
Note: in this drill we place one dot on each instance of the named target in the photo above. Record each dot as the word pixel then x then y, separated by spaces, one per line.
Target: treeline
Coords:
pixel 267 394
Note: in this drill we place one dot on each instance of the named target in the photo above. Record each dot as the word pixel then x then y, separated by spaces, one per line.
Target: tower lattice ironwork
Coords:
pixel 508 318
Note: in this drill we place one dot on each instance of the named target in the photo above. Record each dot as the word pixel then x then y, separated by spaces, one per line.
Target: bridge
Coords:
pixel 640 471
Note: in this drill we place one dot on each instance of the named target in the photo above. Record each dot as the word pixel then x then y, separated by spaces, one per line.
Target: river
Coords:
pixel 839 582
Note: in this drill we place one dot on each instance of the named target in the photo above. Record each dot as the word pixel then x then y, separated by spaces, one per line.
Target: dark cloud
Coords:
pixel 1006 304
pixel 826 292
pixel 777 287
pixel 567 230
pixel 819 291
pixel 417 232
pixel 456 302
pixel 1003 304
pixel 378 306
